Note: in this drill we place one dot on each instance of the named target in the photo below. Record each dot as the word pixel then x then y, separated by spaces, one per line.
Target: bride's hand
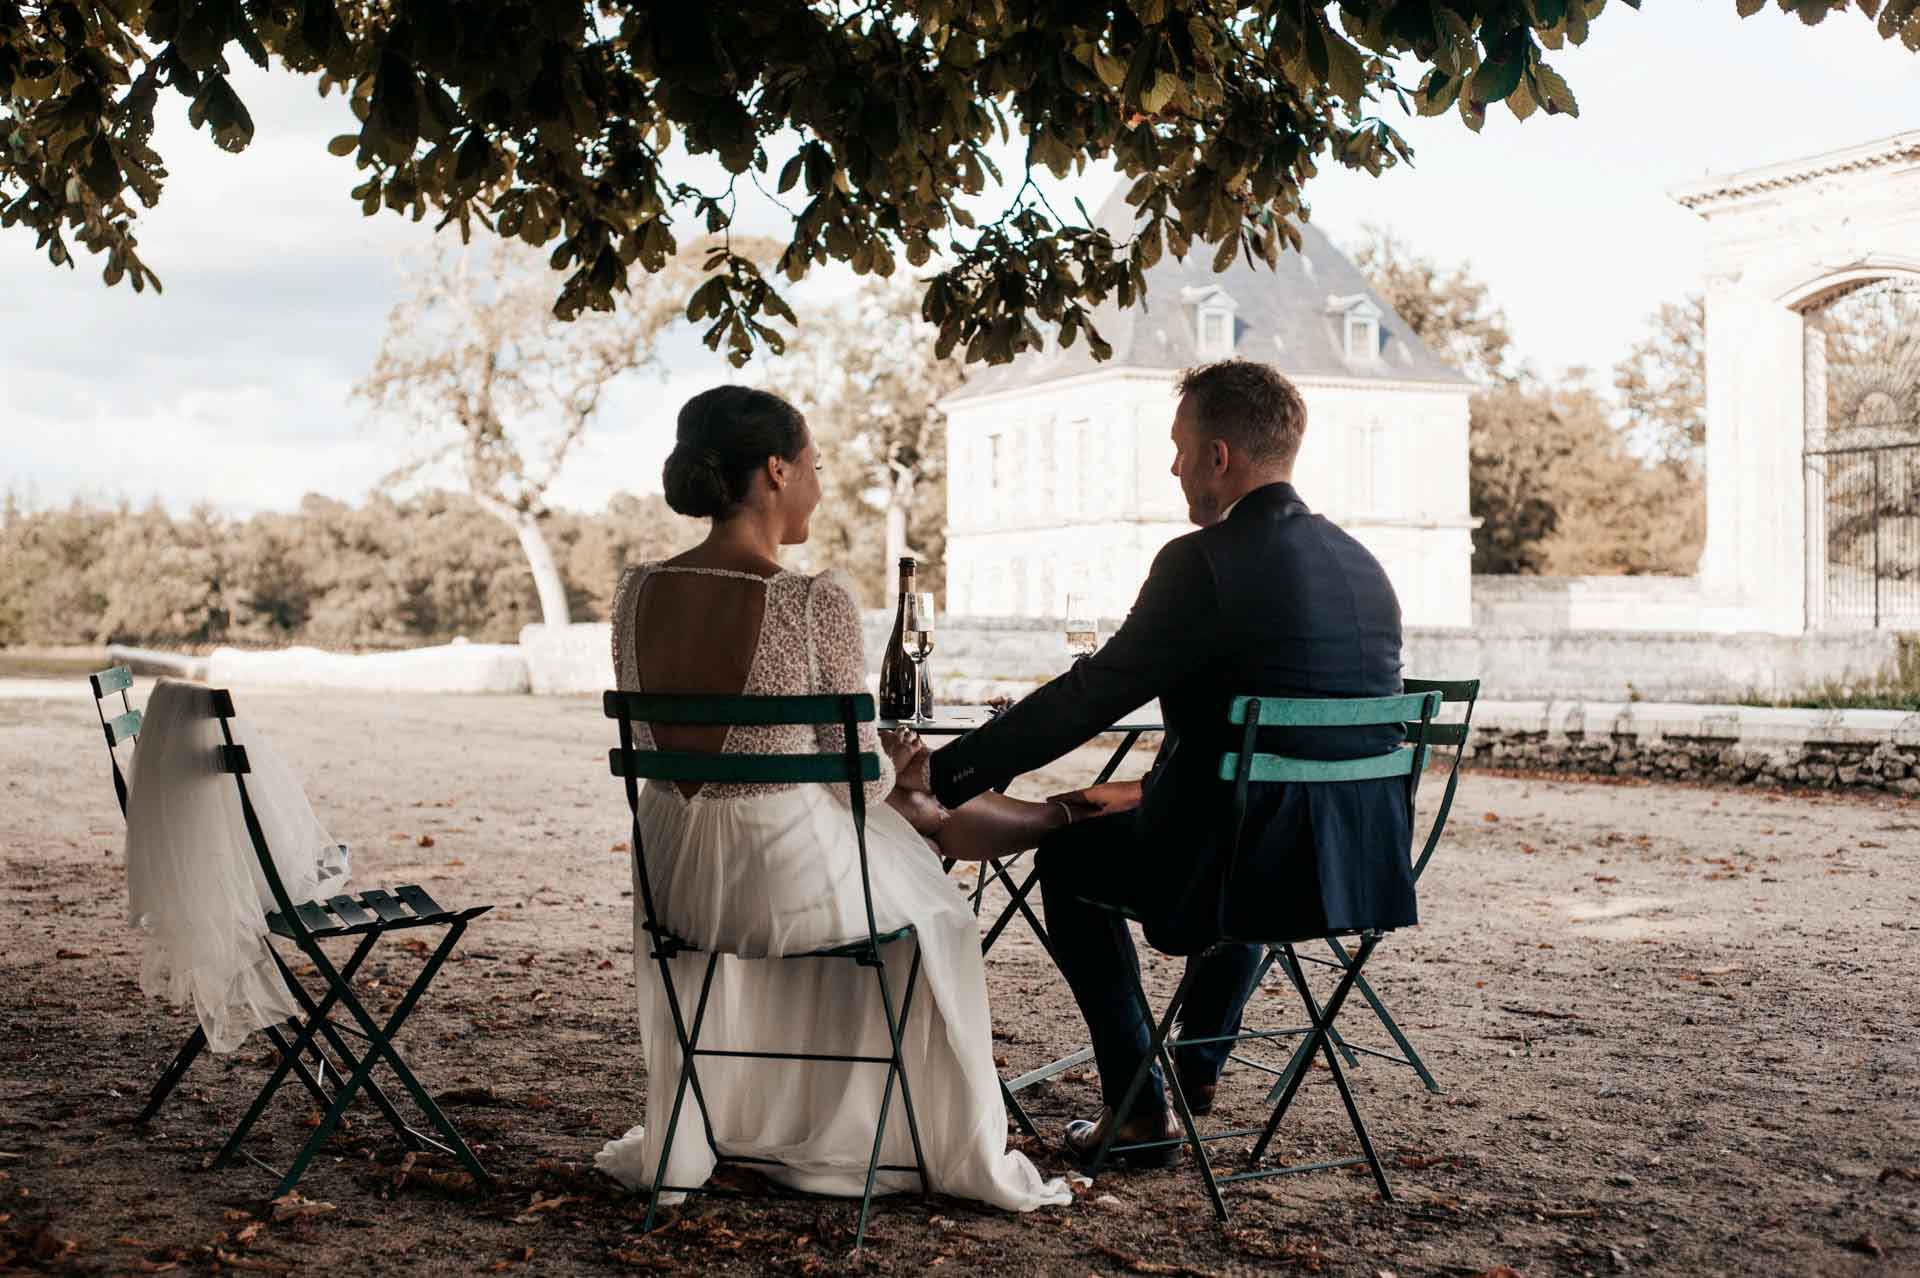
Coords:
pixel 910 757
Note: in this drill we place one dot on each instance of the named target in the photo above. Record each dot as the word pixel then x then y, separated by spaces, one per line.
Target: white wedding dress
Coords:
pixel 763 871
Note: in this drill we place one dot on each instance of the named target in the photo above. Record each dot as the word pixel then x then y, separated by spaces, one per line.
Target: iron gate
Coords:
pixel 1863 459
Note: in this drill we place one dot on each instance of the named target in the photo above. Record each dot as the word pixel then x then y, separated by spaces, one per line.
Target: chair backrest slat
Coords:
pixel 776 769
pixel 1274 767
pixel 676 707
pixel 849 766
pixel 123 727
pixel 231 759
pixel 117 679
pixel 1330 712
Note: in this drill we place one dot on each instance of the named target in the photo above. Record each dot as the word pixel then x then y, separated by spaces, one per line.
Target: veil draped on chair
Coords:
pixel 195 888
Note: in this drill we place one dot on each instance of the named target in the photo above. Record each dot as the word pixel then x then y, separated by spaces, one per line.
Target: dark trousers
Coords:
pixel 1103 859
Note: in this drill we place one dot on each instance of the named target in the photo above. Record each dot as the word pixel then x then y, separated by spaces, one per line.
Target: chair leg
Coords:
pixel 1412 1057
pixel 183 1060
pixel 1298 974
pixel 896 1068
pixel 380 1046
pixel 315 1018
pixel 906 1090
pixel 401 1129
pixel 1302 1057
pixel 1319 1039
pixel 689 1040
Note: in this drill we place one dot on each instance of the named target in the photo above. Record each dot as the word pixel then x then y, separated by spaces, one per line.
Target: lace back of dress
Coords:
pixel 781 665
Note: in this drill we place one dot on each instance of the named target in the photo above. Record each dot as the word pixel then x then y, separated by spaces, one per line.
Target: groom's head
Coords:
pixel 1238 428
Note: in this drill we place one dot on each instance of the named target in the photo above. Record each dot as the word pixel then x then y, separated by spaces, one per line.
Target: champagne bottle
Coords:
pixel 899 697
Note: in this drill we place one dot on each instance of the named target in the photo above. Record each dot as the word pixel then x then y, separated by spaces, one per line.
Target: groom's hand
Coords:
pixel 1100 800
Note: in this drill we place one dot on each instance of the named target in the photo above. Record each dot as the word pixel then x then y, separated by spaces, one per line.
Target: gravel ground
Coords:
pixel 1674 1029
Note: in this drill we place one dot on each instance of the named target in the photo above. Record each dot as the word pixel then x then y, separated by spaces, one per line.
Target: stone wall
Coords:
pixel 978 657
pixel 1822 749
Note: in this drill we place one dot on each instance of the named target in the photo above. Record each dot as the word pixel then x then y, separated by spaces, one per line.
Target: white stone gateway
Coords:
pixel 1058 476
pixel 1811 524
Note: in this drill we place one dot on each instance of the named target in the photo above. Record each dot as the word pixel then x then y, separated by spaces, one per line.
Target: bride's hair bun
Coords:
pixel 696 482
pixel 723 436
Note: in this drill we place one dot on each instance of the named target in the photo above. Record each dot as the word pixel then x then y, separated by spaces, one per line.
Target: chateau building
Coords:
pixel 1059 468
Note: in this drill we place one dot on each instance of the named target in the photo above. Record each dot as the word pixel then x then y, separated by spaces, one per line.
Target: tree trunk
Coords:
pixel 899 501
pixel 546 573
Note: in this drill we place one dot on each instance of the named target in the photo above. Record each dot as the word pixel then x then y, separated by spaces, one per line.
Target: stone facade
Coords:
pixel 1782 240
pixel 1059 468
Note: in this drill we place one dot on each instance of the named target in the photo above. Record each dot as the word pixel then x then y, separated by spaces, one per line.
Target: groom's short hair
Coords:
pixel 1251 406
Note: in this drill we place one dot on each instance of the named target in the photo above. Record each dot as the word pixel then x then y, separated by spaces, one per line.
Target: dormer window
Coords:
pixel 1213 320
pixel 1363 338
pixel 1358 320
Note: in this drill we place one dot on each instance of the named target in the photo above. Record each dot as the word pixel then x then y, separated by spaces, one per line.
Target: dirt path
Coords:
pixel 1676 1030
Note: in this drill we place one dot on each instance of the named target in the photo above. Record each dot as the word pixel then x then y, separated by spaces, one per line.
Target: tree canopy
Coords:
pixel 551 121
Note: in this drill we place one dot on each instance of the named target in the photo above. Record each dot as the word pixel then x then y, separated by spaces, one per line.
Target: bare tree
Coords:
pixel 489 381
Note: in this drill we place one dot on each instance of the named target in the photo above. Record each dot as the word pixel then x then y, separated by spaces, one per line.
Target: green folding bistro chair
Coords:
pixel 369 916
pixel 849 767
pixel 1452 738
pixel 123 728
pixel 1244 768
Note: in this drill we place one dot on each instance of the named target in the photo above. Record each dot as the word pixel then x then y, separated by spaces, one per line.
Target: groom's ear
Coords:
pixel 1219 454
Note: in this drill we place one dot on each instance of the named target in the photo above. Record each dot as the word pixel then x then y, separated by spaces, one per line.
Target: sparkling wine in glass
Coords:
pixel 918 633
pixel 1082 626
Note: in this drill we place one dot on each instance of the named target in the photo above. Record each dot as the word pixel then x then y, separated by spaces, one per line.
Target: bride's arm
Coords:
pixel 840 657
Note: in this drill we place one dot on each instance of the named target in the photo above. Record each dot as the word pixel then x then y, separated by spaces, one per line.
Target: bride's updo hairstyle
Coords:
pixel 723 436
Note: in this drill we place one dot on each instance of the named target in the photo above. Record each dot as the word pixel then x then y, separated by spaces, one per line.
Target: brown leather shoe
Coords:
pixel 1199 1097
pixel 1083 1139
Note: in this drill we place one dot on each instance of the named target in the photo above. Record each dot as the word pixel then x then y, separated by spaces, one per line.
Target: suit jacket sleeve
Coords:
pixel 1166 639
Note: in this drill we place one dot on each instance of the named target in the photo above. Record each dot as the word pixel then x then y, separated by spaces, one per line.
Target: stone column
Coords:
pixel 1814 417
pixel 1755 559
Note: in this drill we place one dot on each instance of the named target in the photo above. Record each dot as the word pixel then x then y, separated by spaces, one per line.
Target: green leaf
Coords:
pixel 1346 70
pixel 1555 95
pixel 1494 81
pixel 344 144
pixel 1156 98
pixel 1747 8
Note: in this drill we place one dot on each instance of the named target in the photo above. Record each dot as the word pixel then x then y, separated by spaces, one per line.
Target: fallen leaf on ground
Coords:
pixel 291 1206
pixel 73 954
pixel 425 841
pixel 1898 1173
pixel 1140 1265
pixel 1868 1245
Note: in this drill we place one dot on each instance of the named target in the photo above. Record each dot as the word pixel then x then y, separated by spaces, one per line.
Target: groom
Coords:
pixel 1264 599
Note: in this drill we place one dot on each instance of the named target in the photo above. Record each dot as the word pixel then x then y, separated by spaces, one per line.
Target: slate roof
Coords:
pixel 1288 303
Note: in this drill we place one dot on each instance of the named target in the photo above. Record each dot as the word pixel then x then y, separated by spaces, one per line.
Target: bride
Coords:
pixel 765 870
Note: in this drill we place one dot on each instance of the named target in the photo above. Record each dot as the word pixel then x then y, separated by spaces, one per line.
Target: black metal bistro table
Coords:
pixel 958 720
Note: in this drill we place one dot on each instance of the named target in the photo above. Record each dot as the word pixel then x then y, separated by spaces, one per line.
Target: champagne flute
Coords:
pixel 918 629
pixel 1082 626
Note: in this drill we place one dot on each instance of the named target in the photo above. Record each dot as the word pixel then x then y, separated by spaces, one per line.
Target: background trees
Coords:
pixel 867 375
pixel 554 122
pixel 1558 484
pixel 386 574
pixel 481 375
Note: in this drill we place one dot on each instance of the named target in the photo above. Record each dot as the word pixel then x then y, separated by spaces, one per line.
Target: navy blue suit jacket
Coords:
pixel 1272 601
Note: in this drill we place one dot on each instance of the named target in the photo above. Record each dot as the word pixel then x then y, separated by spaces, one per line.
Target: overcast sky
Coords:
pixel 233 386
